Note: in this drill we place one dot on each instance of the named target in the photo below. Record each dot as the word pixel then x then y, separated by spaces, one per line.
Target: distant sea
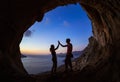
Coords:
pixel 40 63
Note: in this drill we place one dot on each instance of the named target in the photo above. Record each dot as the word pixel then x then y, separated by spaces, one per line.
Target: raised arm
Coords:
pixel 57 47
pixel 62 45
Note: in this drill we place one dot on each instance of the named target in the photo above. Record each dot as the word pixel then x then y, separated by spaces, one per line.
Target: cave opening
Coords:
pixel 69 21
pixel 101 60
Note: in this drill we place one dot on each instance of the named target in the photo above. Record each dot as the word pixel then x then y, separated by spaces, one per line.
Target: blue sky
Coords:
pixel 69 21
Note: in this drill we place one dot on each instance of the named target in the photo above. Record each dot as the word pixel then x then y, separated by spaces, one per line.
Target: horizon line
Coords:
pixel 47 53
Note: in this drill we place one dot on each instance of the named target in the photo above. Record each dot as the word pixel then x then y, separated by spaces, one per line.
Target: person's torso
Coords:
pixel 69 48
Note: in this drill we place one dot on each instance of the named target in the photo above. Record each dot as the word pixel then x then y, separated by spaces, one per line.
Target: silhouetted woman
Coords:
pixel 54 58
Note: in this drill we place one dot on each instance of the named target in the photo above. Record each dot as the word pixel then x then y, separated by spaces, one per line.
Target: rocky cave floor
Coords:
pixel 85 75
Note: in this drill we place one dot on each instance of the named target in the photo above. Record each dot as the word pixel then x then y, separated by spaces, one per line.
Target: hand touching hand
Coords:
pixel 58 42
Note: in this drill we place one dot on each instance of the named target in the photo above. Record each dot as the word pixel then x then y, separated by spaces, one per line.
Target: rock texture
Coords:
pixel 102 53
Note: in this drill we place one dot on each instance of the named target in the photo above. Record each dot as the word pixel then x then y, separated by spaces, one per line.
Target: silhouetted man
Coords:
pixel 68 54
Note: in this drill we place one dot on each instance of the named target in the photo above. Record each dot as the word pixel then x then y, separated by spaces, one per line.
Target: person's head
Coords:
pixel 67 40
pixel 52 46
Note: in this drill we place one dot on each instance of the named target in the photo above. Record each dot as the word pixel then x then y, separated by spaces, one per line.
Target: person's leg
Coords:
pixel 66 63
pixel 52 70
pixel 70 63
pixel 55 67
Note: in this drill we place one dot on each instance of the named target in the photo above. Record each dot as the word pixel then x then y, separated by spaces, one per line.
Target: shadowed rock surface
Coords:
pixel 100 61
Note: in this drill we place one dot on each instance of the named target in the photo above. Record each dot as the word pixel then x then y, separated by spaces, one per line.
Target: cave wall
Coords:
pixel 102 53
pixel 18 15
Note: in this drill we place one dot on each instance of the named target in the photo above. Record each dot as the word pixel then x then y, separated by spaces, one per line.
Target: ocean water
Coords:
pixel 42 63
pixel 39 64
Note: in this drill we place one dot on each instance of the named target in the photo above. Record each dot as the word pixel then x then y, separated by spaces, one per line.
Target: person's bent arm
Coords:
pixel 63 45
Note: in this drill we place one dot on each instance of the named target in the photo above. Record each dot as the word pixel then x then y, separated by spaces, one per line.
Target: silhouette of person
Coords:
pixel 68 54
pixel 54 58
